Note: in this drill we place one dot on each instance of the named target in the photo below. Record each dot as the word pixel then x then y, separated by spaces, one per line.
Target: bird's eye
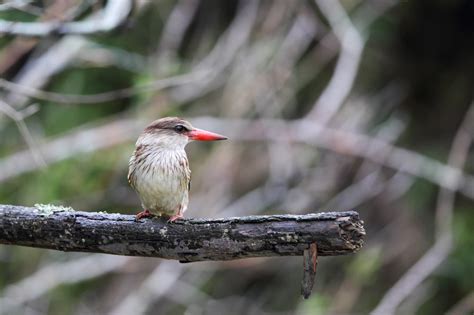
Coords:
pixel 180 128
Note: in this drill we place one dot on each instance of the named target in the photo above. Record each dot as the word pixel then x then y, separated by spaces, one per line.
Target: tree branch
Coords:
pixel 110 17
pixel 46 226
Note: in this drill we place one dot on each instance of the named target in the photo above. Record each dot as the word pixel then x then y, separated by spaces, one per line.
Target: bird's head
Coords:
pixel 174 133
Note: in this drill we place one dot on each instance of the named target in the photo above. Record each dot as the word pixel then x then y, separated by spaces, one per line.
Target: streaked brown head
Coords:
pixel 175 132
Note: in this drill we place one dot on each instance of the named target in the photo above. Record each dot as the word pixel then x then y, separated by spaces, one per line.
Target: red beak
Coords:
pixel 203 135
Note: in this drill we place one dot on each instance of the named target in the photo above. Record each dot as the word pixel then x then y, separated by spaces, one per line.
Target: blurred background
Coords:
pixel 329 106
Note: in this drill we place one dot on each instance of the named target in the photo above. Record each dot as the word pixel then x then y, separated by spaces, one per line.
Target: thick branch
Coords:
pixel 336 233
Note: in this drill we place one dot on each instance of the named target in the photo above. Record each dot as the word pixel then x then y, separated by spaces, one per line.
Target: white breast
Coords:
pixel 161 179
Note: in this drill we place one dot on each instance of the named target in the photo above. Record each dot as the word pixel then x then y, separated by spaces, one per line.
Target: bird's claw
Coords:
pixel 175 217
pixel 143 214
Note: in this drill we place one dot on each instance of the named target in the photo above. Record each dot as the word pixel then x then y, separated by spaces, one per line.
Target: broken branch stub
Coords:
pixel 310 262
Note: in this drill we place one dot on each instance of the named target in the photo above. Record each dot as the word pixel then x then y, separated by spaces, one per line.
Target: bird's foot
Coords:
pixel 175 217
pixel 143 214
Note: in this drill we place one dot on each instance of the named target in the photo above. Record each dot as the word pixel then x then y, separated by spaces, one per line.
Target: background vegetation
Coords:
pixel 381 92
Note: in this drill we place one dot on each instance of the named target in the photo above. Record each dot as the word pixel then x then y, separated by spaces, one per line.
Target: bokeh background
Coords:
pixel 329 105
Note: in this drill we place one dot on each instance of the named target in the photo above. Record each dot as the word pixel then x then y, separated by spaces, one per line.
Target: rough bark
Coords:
pixel 45 226
pixel 310 262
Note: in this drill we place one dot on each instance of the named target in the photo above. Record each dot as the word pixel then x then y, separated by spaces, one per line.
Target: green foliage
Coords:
pixel 459 265
pixel 363 269
pixel 79 176
pixel 317 304
pixel 420 197
pixel 82 81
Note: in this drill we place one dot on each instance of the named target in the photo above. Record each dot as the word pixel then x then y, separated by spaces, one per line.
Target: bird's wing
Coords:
pixel 184 163
pixel 131 172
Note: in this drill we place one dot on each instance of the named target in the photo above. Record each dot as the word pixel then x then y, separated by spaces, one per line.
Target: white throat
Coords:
pixel 164 142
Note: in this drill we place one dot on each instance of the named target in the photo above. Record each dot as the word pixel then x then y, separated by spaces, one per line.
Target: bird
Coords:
pixel 159 168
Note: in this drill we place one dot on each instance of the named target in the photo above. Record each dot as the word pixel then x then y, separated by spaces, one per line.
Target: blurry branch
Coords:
pixel 18 118
pixel 174 30
pixel 443 222
pixel 111 16
pixel 352 45
pixel 465 306
pixel 297 131
pixel 157 284
pixel 204 75
pixel 46 226
pixel 36 11
pixel 14 4
pixel 70 145
pixel 345 143
pixel 170 39
pixel 36 72
pixel 106 96
pixel 16 49
pixel 223 53
pixel 268 81
pixel 373 183
pixel 102 55
pixel 55 274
